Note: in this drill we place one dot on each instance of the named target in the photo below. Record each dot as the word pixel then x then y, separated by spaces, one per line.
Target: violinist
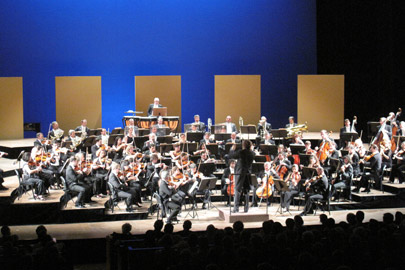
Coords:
pixel 291 122
pixel 203 148
pixel 180 180
pixel 153 169
pixel 262 179
pixel 308 150
pixel 120 189
pixel 1 174
pixel 42 159
pixel 200 125
pixel 86 179
pixel 41 141
pixel 372 161
pixel 386 155
pixel 101 167
pixel 297 140
pixel 227 177
pixel 313 162
pixel 175 154
pixel 317 189
pixel 152 151
pixel 118 149
pixel 56 133
pixel 344 176
pixel 83 128
pixel 167 193
pixel 31 176
pixel 152 141
pixel 397 170
pixel 293 181
pixel 196 176
pixel 72 181
pixel 183 162
pixel 96 148
pixel 205 158
pixel 56 163
pixel 354 160
pixel 131 172
pixel 131 125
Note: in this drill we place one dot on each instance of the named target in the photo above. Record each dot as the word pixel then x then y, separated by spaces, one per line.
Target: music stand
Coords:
pixel 372 128
pixel 304 159
pixel 67 144
pixel 213 148
pixel 279 133
pixel 140 141
pixel 260 158
pixel 217 129
pixel 349 136
pixel 257 167
pixel 207 168
pixel 248 129
pixel 112 138
pixel 162 131
pixel 296 149
pixel 194 136
pixel 268 149
pixel 212 185
pixel 222 136
pixel 165 139
pixel 228 146
pixel 117 131
pixel 89 141
pixel 308 173
pixel 188 147
pixel 78 133
pixel 281 187
pixel 162 111
pixel 165 147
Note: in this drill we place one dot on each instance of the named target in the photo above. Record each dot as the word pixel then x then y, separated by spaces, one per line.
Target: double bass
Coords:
pixel 395 130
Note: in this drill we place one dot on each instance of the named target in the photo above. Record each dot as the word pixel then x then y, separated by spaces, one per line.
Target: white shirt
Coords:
pixel 228 127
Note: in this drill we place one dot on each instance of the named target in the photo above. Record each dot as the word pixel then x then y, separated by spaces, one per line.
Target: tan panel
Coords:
pixel 321 101
pixel 78 98
pixel 237 95
pixel 166 88
pixel 11 108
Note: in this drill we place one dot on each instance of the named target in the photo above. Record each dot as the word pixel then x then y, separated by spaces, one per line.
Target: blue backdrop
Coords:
pixel 120 39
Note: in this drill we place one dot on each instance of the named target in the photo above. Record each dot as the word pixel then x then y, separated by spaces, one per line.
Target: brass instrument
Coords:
pixel 58 134
pixel 240 124
pixel 76 141
pixel 291 131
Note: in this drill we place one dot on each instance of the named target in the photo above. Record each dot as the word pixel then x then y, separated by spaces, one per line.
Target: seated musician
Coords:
pixel 132 178
pixel 200 125
pixel 401 130
pixel 159 128
pixel 155 104
pixel 193 128
pixel 41 158
pixel 268 139
pixel 31 176
pixel 386 155
pixel 205 158
pixel 347 128
pixel 291 122
pixel 354 160
pixel 104 137
pixel 203 148
pixel 41 141
pixel 101 166
pixel 135 129
pixel 130 137
pixel 76 142
pixel 372 161
pixel 96 148
pixel 344 176
pixel 167 193
pixel 233 138
pixel 227 177
pixel 153 169
pixel 1 174
pixel 308 150
pixel 330 163
pixel 56 133
pixel 120 189
pixel 183 162
pixel 262 128
pixel 160 123
pixel 152 151
pixel 283 165
pixel 83 128
pixel 397 170
pixel 182 138
pixel 72 181
pixel 317 189
pixel 175 154
pixel 324 145
pixel 262 179
pixel 206 139
pixel 293 182
pixel 230 127
pixel 196 177
pixel 56 162
pixel 85 178
pixel 118 149
pixel 297 139
pixel 313 162
pixel 152 140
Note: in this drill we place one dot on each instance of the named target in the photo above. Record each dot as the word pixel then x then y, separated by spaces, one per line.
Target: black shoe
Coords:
pixel 129 209
pixel 91 201
pixel 356 190
pixel 235 211
pixel 204 206
pixel 227 204
pixel 3 187
pixel 253 205
pixel 366 190
pixel 303 214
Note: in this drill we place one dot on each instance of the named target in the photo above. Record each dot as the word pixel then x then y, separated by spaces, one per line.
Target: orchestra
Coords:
pixel 137 172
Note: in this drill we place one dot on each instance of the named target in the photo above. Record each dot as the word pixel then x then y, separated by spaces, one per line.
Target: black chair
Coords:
pixel 22 187
pixel 324 201
pixel 347 190
pixel 68 194
pixel 161 206
pixel 114 198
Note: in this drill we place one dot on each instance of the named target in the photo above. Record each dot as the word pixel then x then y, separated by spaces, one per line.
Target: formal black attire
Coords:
pixel 33 179
pixel 318 191
pixel 288 196
pixel 375 164
pixel 121 190
pixel 80 129
pixel 397 170
pixel 263 175
pixel 148 143
pixel 388 129
pixel 290 125
pixel 152 175
pixel 224 185
pixel 200 126
pixel 355 164
pixel 243 166
pixel 94 149
pixel 345 130
pixel 74 185
pixel 166 194
pixel 343 180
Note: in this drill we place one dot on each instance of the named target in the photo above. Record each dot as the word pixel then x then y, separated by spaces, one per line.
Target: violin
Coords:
pixel 308 183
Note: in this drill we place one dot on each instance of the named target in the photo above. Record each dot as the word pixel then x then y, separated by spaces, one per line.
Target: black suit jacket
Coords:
pixel 150 109
pixel 71 176
pixel 94 149
pixel 79 129
pixel 387 128
pixel 230 140
pixel 267 128
pixel 164 191
pixel 288 125
pixel 243 166
pixel 115 182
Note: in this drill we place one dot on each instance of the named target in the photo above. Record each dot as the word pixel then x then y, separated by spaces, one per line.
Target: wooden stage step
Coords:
pixel 255 214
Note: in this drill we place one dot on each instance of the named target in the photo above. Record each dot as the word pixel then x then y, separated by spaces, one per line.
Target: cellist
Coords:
pixel 324 146
pixel 226 180
pixel 262 179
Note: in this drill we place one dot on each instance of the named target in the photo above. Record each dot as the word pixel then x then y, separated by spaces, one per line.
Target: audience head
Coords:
pixel 126 228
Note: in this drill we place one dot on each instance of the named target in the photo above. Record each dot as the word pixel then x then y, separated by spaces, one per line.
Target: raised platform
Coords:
pixel 14 147
pixel 253 215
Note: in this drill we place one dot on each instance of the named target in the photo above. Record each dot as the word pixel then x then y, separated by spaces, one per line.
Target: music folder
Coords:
pixel 162 111
pixel 349 136
pixel 297 148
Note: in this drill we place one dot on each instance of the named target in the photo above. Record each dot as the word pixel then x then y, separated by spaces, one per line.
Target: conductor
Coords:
pixel 244 158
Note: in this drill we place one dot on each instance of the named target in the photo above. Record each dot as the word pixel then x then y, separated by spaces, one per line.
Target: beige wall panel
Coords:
pixel 166 88
pixel 321 101
pixel 78 98
pixel 237 95
pixel 11 108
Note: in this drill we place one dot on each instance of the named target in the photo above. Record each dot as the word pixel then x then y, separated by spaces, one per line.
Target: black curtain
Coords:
pixel 363 39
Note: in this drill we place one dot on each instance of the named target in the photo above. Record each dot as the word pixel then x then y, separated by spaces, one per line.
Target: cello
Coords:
pixel 231 186
pixel 323 151
pixel 394 130
pixel 265 190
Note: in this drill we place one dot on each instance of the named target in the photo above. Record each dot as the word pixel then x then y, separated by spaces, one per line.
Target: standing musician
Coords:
pixel 401 131
pixel 317 189
pixel 104 137
pixel 152 141
pixel 245 158
pixel 386 129
pixel 291 122
pixel 372 161
pixel 72 181
pixel 200 125
pixel 262 179
pixel 31 176
pixel 262 128
pixel 399 167
pixel 131 124
pixel 154 105
pixel 153 169
pixel 83 128
pixel 56 133
pixel 345 129
pixel 122 190
pixel 1 174
pixel 228 178
pixel 293 182
pixel 167 193
pixel 344 177
pixel 230 127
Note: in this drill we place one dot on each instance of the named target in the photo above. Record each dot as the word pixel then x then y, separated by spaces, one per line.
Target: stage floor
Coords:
pixel 18 143
pixel 92 230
